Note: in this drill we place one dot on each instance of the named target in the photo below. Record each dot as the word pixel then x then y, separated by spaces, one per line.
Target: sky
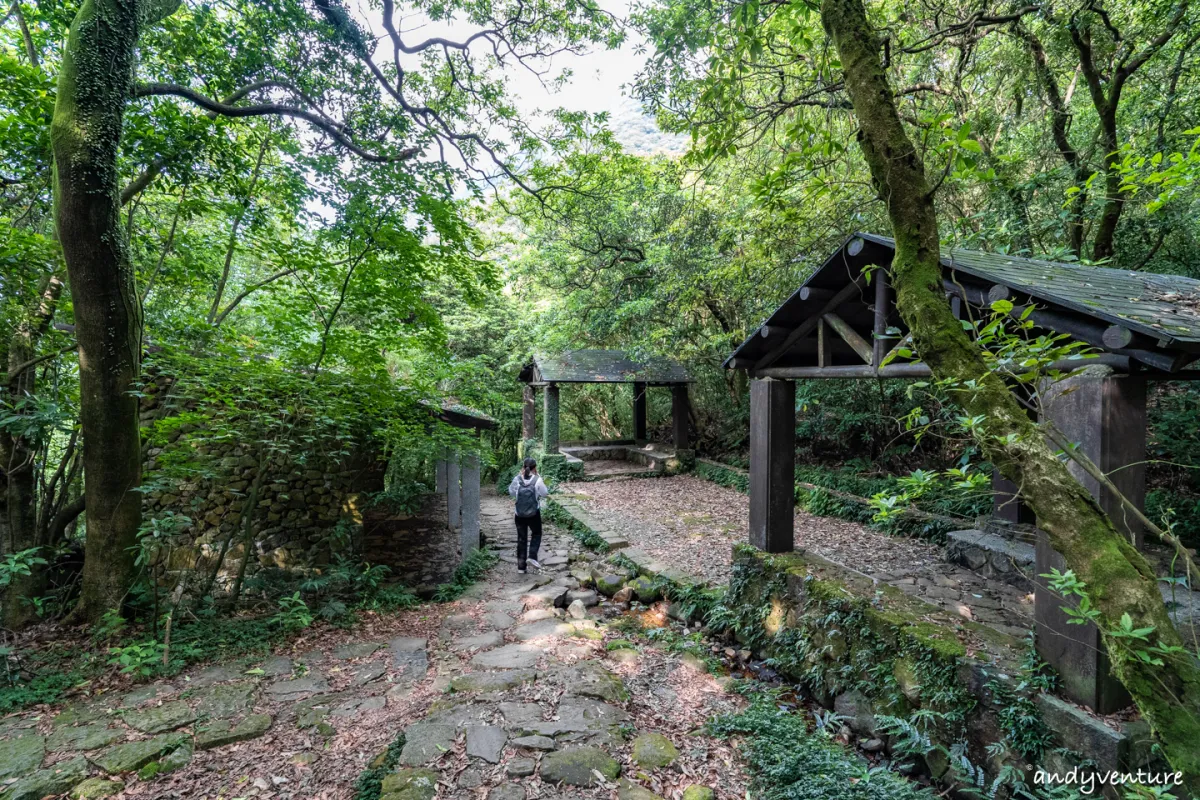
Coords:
pixel 600 81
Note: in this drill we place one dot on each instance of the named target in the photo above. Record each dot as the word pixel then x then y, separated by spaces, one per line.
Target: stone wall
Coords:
pixel 300 500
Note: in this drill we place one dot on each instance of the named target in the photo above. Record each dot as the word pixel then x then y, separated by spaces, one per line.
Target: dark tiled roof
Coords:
pixel 602 366
pixel 1163 306
pixel 460 416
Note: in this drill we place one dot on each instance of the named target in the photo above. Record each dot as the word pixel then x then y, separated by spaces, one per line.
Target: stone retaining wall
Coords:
pixel 869 652
pixel 300 500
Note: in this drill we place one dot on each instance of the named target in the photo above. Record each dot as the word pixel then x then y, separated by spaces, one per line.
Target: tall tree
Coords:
pixel 760 80
pixel 448 103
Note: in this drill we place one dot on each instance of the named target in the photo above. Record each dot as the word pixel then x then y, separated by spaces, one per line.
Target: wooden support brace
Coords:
pixel 807 327
pixel 850 336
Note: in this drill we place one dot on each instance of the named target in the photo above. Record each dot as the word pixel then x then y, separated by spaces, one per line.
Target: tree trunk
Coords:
pixel 1118 578
pixel 93 86
pixel 19 455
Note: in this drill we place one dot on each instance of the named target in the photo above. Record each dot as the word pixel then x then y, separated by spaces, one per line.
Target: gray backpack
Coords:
pixel 527 499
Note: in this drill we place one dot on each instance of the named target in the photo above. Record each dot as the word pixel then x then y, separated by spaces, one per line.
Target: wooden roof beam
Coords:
pixel 810 324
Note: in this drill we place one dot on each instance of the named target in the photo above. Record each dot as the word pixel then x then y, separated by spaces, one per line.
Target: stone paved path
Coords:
pixel 518 690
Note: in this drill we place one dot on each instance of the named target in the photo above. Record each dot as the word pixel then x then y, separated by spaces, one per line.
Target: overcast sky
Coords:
pixel 599 80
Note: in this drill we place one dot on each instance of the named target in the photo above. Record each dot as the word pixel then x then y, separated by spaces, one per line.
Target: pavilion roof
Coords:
pixel 1153 319
pixel 601 366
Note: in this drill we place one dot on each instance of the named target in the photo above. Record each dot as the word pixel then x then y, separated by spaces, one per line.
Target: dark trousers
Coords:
pixel 526 526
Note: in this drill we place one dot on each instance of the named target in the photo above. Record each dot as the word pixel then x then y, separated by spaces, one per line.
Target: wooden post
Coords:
pixel 824 345
pixel 550 418
pixel 1106 417
pixel 639 412
pixel 679 417
pixel 882 296
pixel 529 414
pixel 470 504
pixel 772 464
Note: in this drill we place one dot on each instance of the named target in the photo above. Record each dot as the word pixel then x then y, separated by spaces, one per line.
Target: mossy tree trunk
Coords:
pixel 1119 579
pixel 93 88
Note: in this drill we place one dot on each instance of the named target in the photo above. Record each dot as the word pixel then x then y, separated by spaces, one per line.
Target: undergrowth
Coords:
pixel 369 785
pixel 787 761
pixel 468 572
pixel 823 503
pixel 555 513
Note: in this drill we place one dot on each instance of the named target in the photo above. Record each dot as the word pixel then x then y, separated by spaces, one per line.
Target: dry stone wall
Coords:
pixel 300 500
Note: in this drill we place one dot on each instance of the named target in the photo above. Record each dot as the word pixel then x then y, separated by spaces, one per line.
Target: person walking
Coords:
pixel 527 490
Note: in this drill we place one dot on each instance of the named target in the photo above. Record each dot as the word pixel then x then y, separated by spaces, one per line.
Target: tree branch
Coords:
pixel 334 130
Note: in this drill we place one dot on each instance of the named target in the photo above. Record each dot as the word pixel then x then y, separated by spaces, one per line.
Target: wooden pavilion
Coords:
pixel 550 372
pixel 838 324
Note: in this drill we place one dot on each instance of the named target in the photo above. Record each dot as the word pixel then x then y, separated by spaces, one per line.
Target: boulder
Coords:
pixel 83 737
pixel 646 590
pixel 699 793
pixel 586 596
pixel 520 767
pixel 507 791
pixel 486 742
pixel 491 681
pixel 577 609
pixel 609 583
pixel 426 742
pixel 653 750
pixel 534 742
pixel 858 711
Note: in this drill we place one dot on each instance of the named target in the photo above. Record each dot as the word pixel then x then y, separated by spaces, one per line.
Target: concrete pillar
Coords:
pixel 529 413
pixel 679 417
pixel 453 493
pixel 639 411
pixel 470 504
pixel 440 476
pixel 550 419
pixel 1006 504
pixel 772 464
pixel 1106 417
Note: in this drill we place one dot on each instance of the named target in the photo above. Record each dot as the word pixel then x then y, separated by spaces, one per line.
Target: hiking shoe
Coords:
pixel 520 571
pixel 533 562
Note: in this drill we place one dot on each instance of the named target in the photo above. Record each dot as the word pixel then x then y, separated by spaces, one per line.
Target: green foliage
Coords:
pixel 556 514
pixel 293 615
pixel 787 761
pixel 467 573
pixel 402 497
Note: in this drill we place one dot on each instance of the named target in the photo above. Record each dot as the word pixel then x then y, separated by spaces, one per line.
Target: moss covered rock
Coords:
pixel 410 784
pixel 94 788
pixel 577 766
pixel 699 793
pixel 653 750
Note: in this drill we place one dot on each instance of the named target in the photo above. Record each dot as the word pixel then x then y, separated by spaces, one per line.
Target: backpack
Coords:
pixel 527 499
